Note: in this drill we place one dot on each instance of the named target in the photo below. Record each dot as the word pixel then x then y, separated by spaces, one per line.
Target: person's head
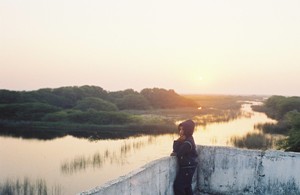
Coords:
pixel 186 128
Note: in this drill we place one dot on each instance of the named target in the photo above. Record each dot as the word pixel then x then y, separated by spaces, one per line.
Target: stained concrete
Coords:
pixel 154 178
pixel 224 170
pixel 221 170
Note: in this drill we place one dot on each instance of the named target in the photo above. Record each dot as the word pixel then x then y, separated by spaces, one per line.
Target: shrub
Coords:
pixel 133 101
pixel 252 141
pixel 28 187
pixel 98 117
pixel 56 116
pixel 96 104
pixel 292 142
pixel 26 111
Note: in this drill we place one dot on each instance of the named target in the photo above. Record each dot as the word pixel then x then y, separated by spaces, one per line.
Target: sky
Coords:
pixel 249 47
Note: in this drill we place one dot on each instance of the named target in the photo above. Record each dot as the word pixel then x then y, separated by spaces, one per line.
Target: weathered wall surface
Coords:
pixel 221 170
pixel 225 170
pixel 154 178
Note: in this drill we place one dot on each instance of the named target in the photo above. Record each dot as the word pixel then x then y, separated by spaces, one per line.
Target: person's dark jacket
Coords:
pixel 186 152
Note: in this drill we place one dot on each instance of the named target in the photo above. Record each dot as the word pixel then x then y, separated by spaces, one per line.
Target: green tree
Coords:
pixel 26 111
pixel 162 98
pixel 277 106
pixel 133 101
pixel 292 142
pixel 116 96
pixel 287 111
pixel 8 97
pixel 98 117
pixel 96 104
pixel 56 116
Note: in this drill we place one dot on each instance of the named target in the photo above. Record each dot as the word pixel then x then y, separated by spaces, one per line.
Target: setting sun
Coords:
pixel 218 46
pixel 200 78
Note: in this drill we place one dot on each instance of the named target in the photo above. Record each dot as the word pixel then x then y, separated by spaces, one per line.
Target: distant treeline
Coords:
pixel 86 97
pixel 86 105
pixel 287 111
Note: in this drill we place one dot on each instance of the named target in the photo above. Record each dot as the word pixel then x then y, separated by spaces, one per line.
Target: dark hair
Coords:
pixel 180 125
pixel 188 127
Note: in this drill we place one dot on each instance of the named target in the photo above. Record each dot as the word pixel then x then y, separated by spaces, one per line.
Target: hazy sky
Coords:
pixel 201 46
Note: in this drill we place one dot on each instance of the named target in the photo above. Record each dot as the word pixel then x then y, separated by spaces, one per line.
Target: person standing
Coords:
pixel 184 149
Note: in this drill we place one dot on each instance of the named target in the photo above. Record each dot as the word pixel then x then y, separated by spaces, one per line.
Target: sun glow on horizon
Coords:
pixel 210 47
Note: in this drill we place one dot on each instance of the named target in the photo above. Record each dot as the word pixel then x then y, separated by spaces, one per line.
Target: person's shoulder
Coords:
pixel 189 142
pixel 190 139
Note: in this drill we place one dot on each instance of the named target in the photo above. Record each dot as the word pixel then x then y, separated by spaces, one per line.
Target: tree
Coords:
pixel 8 97
pixel 96 104
pixel 133 101
pixel 162 98
pixel 277 106
pixel 292 142
pixel 26 111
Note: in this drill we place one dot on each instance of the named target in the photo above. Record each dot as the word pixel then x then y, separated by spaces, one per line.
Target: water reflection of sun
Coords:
pixel 221 133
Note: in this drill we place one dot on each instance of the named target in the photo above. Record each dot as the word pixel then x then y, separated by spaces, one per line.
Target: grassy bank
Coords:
pixel 286 110
pixel 50 130
pixel 28 187
pixel 253 141
pixel 43 121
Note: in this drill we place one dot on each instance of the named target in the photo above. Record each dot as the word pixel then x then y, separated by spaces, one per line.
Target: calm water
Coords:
pixel 74 165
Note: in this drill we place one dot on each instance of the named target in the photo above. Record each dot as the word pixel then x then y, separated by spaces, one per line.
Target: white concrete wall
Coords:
pixel 154 178
pixel 224 170
pixel 221 170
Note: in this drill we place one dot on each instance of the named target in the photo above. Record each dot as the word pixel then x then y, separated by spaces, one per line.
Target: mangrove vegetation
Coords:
pixel 94 113
pixel 86 111
pixel 286 110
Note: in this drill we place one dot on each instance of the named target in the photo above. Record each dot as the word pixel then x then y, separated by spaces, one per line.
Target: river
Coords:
pixel 69 165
